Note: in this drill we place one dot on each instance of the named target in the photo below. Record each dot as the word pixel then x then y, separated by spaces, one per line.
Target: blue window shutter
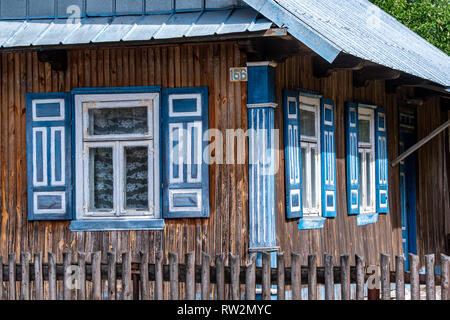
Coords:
pixel 381 167
pixel 328 157
pixel 185 173
pixel 351 120
pixel 49 156
pixel 292 156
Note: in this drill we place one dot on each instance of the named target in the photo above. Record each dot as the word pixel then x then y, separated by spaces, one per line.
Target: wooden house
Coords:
pixel 118 119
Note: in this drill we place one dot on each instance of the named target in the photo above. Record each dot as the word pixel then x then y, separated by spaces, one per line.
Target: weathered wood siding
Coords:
pixel 433 194
pixel 226 229
pixel 341 235
pixel 169 66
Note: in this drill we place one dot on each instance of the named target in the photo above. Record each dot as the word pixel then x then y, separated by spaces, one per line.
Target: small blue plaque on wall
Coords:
pixel 238 74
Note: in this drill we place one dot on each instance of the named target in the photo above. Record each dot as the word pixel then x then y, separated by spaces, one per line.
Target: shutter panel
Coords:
pixel 381 166
pixel 352 158
pixel 49 156
pixel 292 150
pixel 328 157
pixel 185 174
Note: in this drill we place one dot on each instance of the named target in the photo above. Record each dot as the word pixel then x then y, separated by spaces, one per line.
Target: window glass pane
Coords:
pixel 368 179
pixel 361 191
pixel 105 121
pixel 136 177
pixel 313 178
pixel 364 130
pixel 101 179
pixel 307 123
pixel 304 182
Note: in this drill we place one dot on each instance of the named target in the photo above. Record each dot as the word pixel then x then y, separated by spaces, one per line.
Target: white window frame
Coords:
pixel 83 141
pixel 367 149
pixel 307 142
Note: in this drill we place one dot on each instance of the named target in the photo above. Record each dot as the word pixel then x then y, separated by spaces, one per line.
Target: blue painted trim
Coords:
pixel 116 90
pixel 348 130
pixel 379 164
pixel 204 184
pixel 366 218
pixel 300 30
pixel 308 223
pixel 66 123
pixel 260 84
pixel 330 129
pixel 287 159
pixel 116 225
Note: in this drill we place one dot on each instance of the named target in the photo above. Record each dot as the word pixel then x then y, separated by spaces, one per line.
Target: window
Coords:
pixel 117 168
pixel 95 157
pixel 310 159
pixel 366 153
pixel 367 162
pixel 310 155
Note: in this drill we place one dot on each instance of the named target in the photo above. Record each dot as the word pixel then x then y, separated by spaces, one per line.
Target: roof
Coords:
pixel 328 27
pixel 361 29
pixel 128 26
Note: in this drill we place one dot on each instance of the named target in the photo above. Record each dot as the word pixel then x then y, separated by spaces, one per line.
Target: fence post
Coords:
pixel 159 276
pixel 429 270
pixel 67 264
pixel 12 275
pixel 399 277
pixel 414 276
pixel 96 264
pixel 1 277
pixel 25 281
pixel 445 275
pixel 235 273
pixel 250 278
pixel 38 277
pixel 220 276
pixel 359 277
pixel 281 294
pixel 296 276
pixel 173 275
pixel 312 277
pixel 266 272
pixel 127 290
pixel 190 275
pixel 143 275
pixel 111 260
pixel 385 277
pixel 345 277
pixel 52 275
pixel 206 278
pixel 329 276
pixel 81 295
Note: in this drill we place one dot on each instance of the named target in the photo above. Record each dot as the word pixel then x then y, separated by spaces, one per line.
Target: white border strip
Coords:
pixel 61 182
pixel 41 101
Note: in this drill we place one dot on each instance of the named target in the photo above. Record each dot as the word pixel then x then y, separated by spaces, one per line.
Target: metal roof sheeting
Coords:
pixel 361 29
pixel 37 32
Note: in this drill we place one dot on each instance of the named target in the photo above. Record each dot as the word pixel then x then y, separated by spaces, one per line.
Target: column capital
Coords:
pixel 262 63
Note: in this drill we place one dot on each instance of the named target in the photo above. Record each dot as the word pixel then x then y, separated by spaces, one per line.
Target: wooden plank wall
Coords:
pixel 433 200
pixel 226 230
pixel 341 234
pixel 169 66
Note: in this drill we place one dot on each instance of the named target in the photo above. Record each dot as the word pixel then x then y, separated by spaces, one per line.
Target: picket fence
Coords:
pixel 127 280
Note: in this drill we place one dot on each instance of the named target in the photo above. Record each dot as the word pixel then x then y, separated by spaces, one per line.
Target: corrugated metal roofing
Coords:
pixel 361 29
pixel 40 32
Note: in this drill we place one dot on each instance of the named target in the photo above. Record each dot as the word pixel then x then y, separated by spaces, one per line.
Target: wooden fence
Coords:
pixel 94 280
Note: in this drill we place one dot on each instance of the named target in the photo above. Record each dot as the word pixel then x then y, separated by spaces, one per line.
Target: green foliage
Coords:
pixel 428 18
